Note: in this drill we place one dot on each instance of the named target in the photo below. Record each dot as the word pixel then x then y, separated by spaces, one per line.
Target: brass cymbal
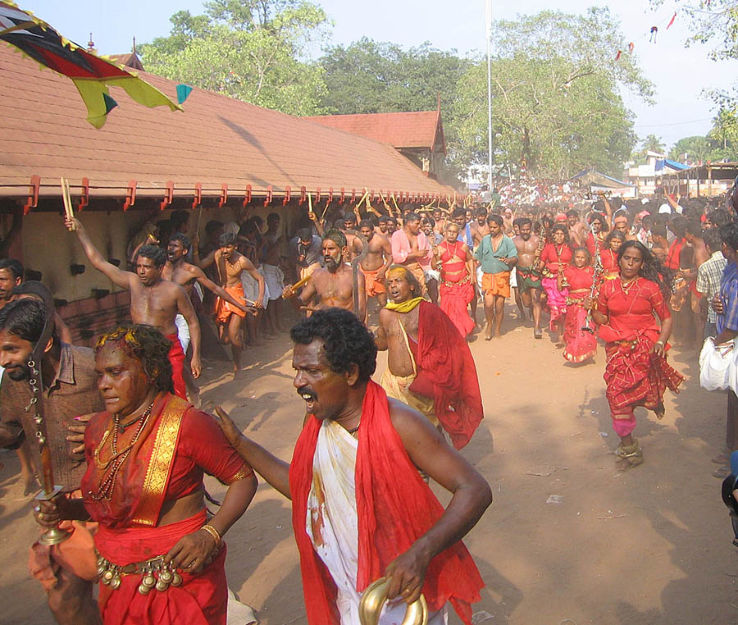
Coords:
pixel 375 596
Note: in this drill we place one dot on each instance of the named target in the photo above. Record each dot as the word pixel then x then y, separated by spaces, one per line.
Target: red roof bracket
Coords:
pixel 268 198
pixel 303 195
pixel 84 198
pixel 343 196
pixel 130 195
pixel 32 194
pixel 287 196
pixel 223 195
pixel 353 196
pixel 168 196
pixel 317 196
pixel 330 195
pixel 247 196
pixel 198 195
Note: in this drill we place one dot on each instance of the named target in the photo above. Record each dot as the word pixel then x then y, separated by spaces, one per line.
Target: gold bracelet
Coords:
pixel 213 532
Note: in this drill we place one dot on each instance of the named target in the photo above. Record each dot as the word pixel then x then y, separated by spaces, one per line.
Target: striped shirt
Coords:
pixel 708 280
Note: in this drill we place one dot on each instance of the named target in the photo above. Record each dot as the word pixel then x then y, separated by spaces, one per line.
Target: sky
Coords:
pixel 679 74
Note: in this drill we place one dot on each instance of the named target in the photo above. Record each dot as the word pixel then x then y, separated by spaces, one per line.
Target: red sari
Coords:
pixel 177 445
pixel 456 288
pixel 555 258
pixel 581 344
pixel 610 267
pixel 633 375
pixel 394 507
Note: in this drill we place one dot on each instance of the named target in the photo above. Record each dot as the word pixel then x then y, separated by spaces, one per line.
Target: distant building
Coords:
pixel 416 135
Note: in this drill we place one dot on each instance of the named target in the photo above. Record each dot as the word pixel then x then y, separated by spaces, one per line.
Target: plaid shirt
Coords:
pixel 729 295
pixel 708 280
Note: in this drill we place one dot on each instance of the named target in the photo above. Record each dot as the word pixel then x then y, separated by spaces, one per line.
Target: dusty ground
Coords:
pixel 648 547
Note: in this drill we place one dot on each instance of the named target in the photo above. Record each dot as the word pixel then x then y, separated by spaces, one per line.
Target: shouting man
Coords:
pixel 360 509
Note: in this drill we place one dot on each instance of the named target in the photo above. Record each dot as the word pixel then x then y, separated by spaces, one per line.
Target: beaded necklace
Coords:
pixel 111 468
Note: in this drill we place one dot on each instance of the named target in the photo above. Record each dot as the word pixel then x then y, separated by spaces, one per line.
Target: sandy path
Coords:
pixel 649 546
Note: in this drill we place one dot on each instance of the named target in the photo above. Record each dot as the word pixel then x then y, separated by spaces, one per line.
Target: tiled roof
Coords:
pixel 421 129
pixel 129 60
pixel 215 141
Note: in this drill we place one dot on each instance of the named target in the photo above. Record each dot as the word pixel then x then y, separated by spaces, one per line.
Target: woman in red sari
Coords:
pixel 580 343
pixel 555 257
pixel 159 558
pixel 455 262
pixel 635 324
pixel 609 255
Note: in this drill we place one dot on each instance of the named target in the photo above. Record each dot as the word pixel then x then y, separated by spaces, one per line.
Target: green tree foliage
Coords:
pixel 374 77
pixel 692 150
pixel 556 95
pixel 253 50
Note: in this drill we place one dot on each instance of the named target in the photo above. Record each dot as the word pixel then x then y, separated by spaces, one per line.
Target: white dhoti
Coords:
pixel 251 286
pixel 274 278
pixel 183 332
pixel 333 526
pixel 514 278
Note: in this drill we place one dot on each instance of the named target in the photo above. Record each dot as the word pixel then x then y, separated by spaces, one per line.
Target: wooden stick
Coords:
pixel 67 199
pixel 301 282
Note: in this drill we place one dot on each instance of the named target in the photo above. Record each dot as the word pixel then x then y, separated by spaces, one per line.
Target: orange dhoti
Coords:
pixel 224 310
pixel 496 283
pixel 373 286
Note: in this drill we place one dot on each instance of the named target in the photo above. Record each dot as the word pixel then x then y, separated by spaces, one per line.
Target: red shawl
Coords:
pixel 446 372
pixel 394 508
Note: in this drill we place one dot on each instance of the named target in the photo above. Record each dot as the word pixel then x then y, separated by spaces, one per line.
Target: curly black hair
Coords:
pixel 147 345
pixel 345 339
pixel 153 252
pixel 651 268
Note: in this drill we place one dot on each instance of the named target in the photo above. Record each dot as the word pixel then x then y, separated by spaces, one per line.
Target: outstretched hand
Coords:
pixel 72 224
pixel 232 433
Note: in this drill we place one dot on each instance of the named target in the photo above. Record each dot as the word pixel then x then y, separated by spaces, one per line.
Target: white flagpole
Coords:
pixel 488 25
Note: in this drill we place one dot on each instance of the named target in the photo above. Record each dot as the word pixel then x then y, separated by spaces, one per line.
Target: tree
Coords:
pixel 378 77
pixel 692 150
pixel 556 96
pixel 253 50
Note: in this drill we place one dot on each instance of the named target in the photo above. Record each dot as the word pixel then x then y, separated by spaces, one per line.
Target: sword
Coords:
pixel 50 490
pixel 598 269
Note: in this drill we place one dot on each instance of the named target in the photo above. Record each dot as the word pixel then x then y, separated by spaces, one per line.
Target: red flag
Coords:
pixel 671 21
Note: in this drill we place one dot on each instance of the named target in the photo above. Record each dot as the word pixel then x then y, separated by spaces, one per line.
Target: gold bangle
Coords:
pixel 213 532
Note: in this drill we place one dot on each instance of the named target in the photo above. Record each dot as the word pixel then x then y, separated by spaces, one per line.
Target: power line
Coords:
pixel 692 121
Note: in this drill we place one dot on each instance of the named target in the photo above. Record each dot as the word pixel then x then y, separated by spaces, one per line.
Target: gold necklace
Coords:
pixel 626 286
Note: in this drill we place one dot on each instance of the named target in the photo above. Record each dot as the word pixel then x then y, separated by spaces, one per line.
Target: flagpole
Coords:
pixel 488 14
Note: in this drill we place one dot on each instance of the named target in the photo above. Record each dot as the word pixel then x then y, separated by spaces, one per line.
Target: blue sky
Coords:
pixel 679 73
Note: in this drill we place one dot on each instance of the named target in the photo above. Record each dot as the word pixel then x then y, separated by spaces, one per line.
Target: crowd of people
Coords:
pixel 129 445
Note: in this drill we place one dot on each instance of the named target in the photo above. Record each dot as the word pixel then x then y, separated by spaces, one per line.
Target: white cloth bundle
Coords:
pixel 718 367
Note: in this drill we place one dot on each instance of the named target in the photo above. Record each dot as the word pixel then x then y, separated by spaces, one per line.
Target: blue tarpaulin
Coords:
pixel 663 163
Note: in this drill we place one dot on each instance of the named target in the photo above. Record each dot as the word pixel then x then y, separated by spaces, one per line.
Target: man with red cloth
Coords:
pixel 154 301
pixel 429 364
pixel 360 508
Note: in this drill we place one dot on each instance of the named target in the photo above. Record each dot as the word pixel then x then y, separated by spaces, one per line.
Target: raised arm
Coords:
pixel 118 276
pixel 266 464
pixel 471 497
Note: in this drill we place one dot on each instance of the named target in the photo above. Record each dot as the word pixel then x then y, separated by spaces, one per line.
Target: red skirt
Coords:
pixel 201 599
pixel 455 297
pixel 635 377
pixel 581 345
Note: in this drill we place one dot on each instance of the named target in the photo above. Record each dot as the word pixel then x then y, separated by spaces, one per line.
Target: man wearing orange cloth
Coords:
pixel 360 509
pixel 429 364
pixel 231 264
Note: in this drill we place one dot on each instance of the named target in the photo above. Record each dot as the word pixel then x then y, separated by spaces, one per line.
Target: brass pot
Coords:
pixel 375 596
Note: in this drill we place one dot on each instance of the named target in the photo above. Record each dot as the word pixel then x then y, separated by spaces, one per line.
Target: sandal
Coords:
pixel 629 455
pixel 660 410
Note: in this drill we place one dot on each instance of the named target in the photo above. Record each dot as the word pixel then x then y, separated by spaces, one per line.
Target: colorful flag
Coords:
pixel 90 74
pixel 671 21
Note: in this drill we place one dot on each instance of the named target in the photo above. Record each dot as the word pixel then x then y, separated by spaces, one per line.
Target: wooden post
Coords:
pixel 709 181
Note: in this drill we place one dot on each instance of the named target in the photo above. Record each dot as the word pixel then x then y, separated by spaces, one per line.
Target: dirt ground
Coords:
pixel 568 540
